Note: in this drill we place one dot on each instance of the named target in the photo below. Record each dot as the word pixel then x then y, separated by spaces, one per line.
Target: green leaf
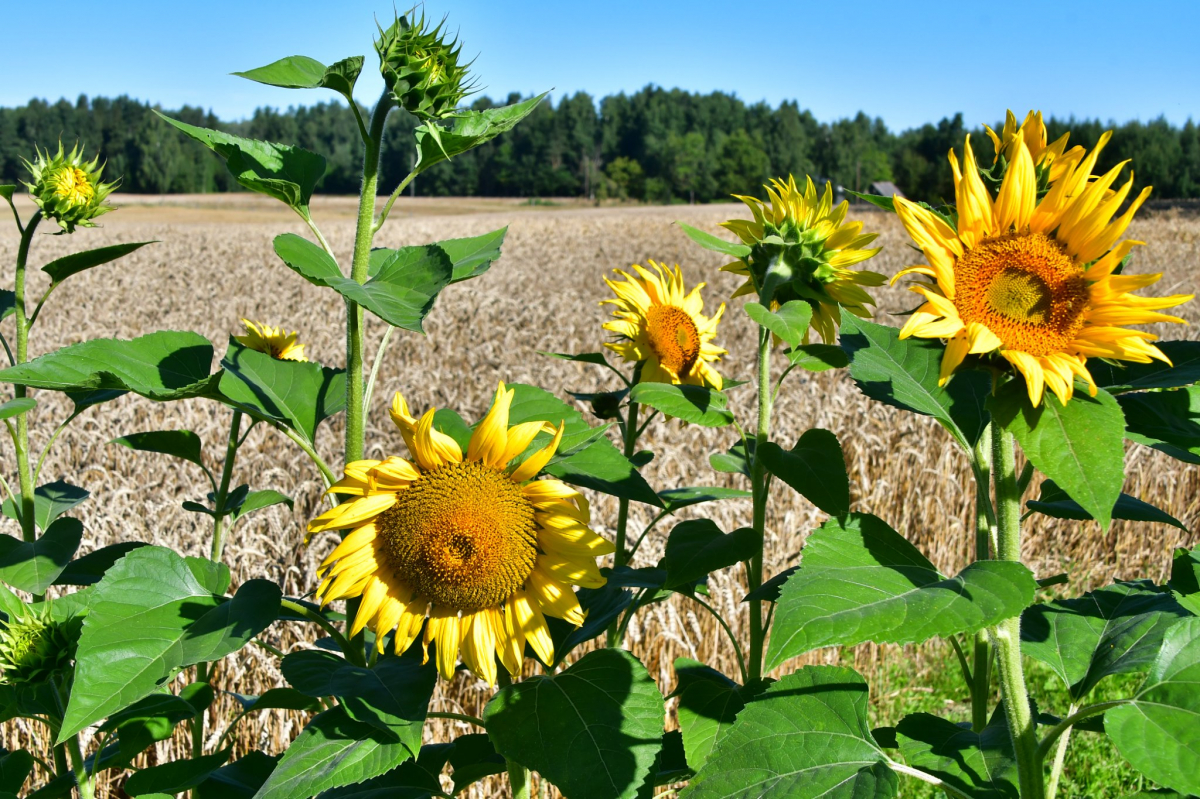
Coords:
pixel 49 502
pixel 1121 376
pixel 183 444
pixel 34 566
pixel 981 765
pixel 469 257
pixel 1114 630
pixel 697 547
pixel 62 268
pixel 592 730
pixel 172 778
pixel 413 779
pixel 299 394
pixel 6 191
pixel 240 779
pixel 401 292
pixel 16 407
pixel 332 751
pixel 735 460
pixel 603 606
pixel 706 711
pixel 904 374
pixel 278 699
pixel 596 358
pixel 877 200
pixel 88 569
pixel 15 768
pixel 473 757
pixel 213 576
pixel 789 323
pixel 734 249
pixel 289 174
pixel 1055 502
pixel 257 500
pixel 674 499
pixel 149 618
pixel 694 404
pixel 818 357
pixel 1164 420
pixel 1159 731
pixel 82 400
pixel 162 710
pixel 1185 579
pixel 8 304
pixel 601 467
pixel 166 365
pixel 769 590
pixel 469 130
pixel 806 735
pixel 1079 446
pixel 302 72
pixel 860 580
pixel 814 467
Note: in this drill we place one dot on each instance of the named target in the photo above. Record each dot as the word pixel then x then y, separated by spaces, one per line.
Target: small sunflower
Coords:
pixel 1034 281
pixel 661 324
pixel 68 188
pixel 804 232
pixel 470 541
pixel 272 341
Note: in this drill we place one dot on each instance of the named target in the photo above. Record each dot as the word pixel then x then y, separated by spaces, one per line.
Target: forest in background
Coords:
pixel 656 145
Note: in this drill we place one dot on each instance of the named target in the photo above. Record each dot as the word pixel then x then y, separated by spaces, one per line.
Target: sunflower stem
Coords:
pixel 1060 757
pixel 760 487
pixel 21 442
pixel 1006 636
pixel 198 721
pixel 219 527
pixel 981 684
pixel 620 557
pixel 518 775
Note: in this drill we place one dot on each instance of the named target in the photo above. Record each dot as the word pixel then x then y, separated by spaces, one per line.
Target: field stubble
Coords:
pixel 214 265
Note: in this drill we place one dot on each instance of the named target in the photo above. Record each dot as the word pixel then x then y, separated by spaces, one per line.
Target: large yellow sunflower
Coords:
pixel 472 542
pixel 661 324
pixel 1030 280
pixel 813 238
pixel 273 341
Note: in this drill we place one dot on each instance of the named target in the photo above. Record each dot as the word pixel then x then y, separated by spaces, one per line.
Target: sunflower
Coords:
pixel 1053 157
pixel 271 340
pixel 472 542
pixel 1034 281
pixel 661 325
pixel 813 240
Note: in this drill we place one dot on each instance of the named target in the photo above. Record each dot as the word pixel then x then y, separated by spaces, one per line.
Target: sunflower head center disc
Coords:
pixel 463 536
pixel 674 337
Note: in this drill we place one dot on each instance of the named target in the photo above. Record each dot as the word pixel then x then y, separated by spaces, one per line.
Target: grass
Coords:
pixel 214 267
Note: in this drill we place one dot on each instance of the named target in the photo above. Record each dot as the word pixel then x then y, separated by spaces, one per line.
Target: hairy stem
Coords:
pixel 981 685
pixel 219 528
pixel 198 721
pixel 24 470
pixel 1006 636
pixel 1060 757
pixel 620 557
pixel 760 487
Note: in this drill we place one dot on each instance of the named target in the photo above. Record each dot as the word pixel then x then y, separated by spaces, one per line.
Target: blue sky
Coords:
pixel 908 63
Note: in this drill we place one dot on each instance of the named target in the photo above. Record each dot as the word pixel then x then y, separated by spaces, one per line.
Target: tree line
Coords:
pixel 656 145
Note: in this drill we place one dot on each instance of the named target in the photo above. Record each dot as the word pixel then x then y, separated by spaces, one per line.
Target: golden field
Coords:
pixel 214 265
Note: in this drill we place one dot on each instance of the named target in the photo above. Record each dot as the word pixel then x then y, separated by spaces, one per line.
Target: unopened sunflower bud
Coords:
pixel 32 646
pixel 421 68
pixel 68 189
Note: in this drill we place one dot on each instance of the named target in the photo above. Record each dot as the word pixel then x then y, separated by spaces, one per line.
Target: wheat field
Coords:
pixel 213 264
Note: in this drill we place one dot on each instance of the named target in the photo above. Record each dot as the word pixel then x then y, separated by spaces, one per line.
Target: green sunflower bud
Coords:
pixel 421 68
pixel 68 189
pixel 32 646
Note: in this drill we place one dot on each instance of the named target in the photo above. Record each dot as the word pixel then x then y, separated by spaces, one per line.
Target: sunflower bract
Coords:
pixel 802 248
pixel 467 545
pixel 32 646
pixel 421 68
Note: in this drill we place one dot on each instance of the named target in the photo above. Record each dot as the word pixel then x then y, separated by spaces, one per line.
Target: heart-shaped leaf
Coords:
pixel 33 566
pixel 49 502
pixel 814 467
pixel 469 257
pixel 302 72
pixel 469 130
pixel 693 404
pixel 697 547
pixel 183 444
pixel 789 323
pixel 980 765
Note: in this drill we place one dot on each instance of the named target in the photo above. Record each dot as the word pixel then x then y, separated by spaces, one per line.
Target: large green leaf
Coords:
pixel 904 374
pixel 789 323
pixel 183 444
pixel 300 395
pixel 1159 731
pixel 302 72
pixel 289 174
pixel 172 778
pixel 402 290
pixel 470 257
pixel 697 547
pixel 33 566
pixel 166 365
pixel 592 730
pixel 469 130
pixel 1078 445
pixel 1165 420
pixel 149 618
pixel 859 580
pixel 1120 376
pixel 62 268
pixel 332 751
pixel 1185 579
pixel 707 709
pixel 979 764
pixel 1113 630
pixel 807 735
pixel 1055 502
pixel 814 467
pixel 694 404
pixel 49 502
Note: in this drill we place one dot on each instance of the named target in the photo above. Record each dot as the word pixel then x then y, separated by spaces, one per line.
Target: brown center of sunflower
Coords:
pixel 72 185
pixel 674 337
pixel 462 536
pixel 1026 289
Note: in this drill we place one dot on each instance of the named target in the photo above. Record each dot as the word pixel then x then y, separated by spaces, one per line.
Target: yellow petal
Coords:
pixel 490 439
pixel 1018 192
pixel 353 513
pixel 555 598
pixel 535 462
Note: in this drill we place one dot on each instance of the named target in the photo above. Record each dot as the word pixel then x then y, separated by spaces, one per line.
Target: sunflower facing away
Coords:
pixel 271 340
pixel 818 245
pixel 1034 281
pixel 470 540
pixel 661 324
